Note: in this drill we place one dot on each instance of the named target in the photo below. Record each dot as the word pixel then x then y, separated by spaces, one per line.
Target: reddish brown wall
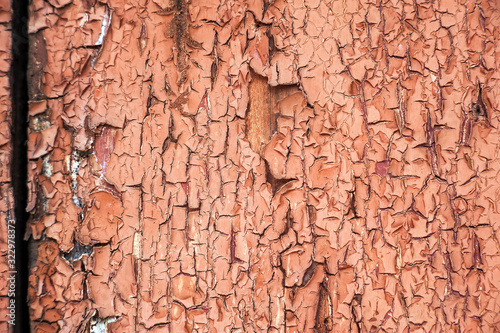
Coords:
pixel 370 202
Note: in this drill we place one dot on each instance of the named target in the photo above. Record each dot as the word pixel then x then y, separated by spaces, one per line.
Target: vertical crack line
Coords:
pixel 19 165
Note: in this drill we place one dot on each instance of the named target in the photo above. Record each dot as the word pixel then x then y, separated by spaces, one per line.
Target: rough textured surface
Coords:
pixel 370 203
pixel 7 221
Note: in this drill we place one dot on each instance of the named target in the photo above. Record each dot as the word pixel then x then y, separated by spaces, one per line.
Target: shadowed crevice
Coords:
pixel 18 82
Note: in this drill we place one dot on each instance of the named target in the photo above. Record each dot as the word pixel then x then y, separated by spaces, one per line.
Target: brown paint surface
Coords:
pixel 357 193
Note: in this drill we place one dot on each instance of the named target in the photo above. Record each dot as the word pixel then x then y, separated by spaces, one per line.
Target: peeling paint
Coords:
pixel 106 21
pixel 100 325
pixel 322 166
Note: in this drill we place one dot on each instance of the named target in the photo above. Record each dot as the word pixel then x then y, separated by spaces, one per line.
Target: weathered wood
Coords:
pixel 327 166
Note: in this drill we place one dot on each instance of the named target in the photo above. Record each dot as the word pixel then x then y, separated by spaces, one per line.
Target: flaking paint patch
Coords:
pixel 100 325
pixel 105 23
pixel 136 245
pixel 47 166
pixel 74 169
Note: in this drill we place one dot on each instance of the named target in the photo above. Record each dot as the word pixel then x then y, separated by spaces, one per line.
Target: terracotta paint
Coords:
pixel 251 166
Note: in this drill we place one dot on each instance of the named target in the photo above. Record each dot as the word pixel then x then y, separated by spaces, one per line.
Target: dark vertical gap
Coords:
pixel 19 166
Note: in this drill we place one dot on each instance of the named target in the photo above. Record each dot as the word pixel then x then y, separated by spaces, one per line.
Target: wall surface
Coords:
pixel 250 166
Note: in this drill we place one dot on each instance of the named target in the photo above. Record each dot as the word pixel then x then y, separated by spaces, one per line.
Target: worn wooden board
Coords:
pixel 283 166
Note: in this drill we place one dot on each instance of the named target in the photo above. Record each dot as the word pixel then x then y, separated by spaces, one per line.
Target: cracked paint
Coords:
pixel 274 166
